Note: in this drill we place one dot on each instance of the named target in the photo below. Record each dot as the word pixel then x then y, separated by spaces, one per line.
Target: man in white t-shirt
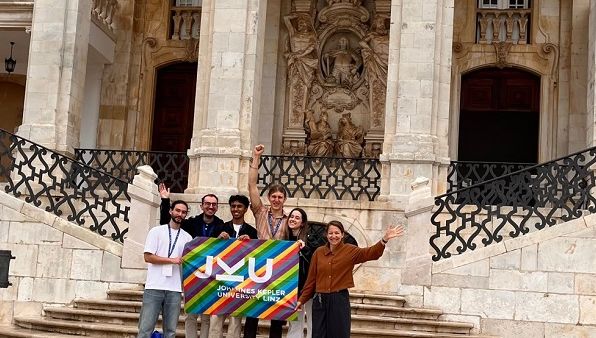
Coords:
pixel 163 288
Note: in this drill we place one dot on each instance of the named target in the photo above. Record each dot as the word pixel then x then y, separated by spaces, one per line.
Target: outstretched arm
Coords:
pixel 253 174
pixel 376 251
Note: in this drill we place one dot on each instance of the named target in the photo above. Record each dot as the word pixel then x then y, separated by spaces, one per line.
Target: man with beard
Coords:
pixel 163 288
pixel 205 224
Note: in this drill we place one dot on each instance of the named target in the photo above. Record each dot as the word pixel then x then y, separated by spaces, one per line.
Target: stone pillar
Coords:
pixel 56 73
pixel 579 64
pixel 228 87
pixel 591 88
pixel 144 205
pixel 418 213
pixel 417 105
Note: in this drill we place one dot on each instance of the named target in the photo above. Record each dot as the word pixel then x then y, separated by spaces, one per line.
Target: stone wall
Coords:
pixel 56 261
pixel 540 285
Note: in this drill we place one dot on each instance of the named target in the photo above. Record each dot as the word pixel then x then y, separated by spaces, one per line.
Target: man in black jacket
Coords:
pixel 205 224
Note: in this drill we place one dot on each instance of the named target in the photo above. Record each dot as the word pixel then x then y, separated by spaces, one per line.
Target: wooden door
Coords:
pixel 499 116
pixel 174 107
pixel 173 121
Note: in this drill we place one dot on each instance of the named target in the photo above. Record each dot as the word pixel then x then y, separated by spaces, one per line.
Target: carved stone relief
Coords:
pixel 337 78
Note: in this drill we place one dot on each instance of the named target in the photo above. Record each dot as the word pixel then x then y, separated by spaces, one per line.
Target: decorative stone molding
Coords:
pixel 337 66
pixel 501 52
pixel 102 14
pixel 16 14
pixel 187 22
pixel 503 25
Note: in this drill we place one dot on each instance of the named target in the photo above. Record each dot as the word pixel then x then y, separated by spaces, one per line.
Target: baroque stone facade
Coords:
pixel 337 70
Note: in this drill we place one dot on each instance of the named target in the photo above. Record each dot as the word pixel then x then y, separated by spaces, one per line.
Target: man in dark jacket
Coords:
pixel 205 224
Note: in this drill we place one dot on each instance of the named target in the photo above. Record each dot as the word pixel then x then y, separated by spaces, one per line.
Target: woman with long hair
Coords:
pixel 298 228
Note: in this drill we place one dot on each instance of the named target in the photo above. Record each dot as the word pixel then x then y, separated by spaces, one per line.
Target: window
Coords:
pixel 189 3
pixel 503 4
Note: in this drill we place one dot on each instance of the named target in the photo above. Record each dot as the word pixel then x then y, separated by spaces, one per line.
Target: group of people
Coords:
pixel 325 274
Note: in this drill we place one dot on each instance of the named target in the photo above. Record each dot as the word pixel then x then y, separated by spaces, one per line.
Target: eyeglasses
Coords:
pixel 210 204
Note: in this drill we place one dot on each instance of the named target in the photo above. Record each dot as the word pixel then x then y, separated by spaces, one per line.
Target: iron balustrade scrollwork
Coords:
pixel 513 205
pixel 322 177
pixel 63 186
pixel 462 174
pixel 170 167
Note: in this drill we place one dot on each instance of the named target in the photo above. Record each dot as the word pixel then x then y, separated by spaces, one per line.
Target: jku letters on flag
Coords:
pixel 253 278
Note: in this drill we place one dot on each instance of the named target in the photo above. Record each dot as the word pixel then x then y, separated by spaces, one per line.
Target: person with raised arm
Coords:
pixel 271 223
pixel 331 275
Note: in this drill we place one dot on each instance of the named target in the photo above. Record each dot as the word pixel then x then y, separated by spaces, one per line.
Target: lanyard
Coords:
pixel 170 246
pixel 271 228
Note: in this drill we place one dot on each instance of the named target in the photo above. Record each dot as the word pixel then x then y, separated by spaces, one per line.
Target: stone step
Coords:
pixel 108 305
pixel 123 331
pixel 367 297
pixel 358 321
pixel 361 297
pixel 395 312
pixel 19 332
pixel 359 309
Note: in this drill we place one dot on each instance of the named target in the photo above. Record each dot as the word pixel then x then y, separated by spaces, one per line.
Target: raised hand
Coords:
pixel 164 192
pixel 258 150
pixel 393 232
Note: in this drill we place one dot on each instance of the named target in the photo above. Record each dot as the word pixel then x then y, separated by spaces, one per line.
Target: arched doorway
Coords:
pixel 173 120
pixel 499 116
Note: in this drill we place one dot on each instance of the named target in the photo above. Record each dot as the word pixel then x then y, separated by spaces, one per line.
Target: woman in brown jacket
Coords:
pixel 330 276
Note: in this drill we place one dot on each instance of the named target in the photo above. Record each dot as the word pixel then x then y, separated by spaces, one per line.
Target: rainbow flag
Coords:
pixel 253 278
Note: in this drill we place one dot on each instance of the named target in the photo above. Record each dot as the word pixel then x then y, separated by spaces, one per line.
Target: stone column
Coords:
pixel 56 73
pixel 228 87
pixel 417 105
pixel 144 205
pixel 591 88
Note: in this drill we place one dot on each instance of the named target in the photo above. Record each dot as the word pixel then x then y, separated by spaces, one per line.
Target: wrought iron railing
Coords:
pixel 462 174
pixel 65 187
pixel 528 200
pixel 170 167
pixel 322 177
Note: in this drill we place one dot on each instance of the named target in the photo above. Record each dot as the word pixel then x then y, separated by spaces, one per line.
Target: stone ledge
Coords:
pixel 69 228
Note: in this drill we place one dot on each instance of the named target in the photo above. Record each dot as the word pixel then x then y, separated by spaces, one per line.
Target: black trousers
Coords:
pixel 251 326
pixel 331 315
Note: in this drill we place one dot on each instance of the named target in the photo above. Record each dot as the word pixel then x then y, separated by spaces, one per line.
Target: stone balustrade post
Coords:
pixel 144 205
pixel 418 213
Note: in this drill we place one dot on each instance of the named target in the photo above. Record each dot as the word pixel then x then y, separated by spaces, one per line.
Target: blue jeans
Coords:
pixel 154 302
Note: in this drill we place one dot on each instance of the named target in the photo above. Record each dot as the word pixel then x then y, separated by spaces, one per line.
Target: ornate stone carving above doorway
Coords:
pixel 336 56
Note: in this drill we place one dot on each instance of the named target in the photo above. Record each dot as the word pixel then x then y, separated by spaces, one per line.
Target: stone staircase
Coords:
pixel 373 315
